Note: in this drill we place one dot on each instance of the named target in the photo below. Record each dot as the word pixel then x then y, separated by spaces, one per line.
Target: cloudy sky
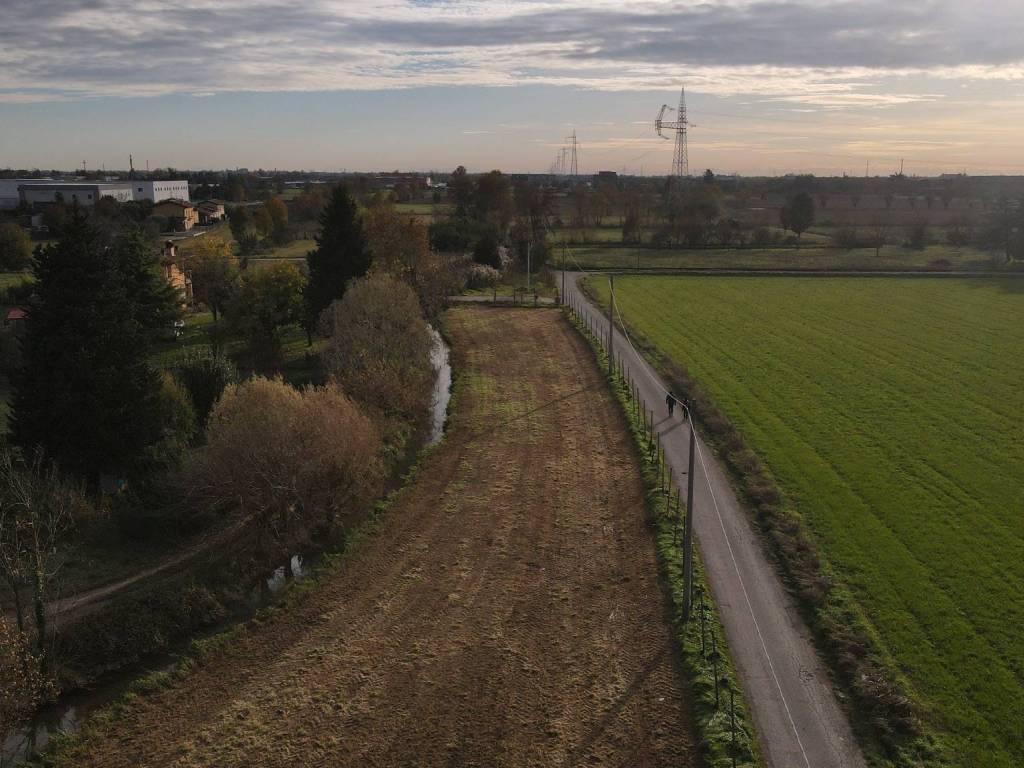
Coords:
pixel 772 86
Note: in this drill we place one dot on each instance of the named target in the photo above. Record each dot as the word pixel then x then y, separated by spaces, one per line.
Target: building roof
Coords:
pixel 175 201
pixel 16 314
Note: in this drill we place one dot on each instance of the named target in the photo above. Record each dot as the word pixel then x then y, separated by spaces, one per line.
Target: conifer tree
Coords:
pixel 342 253
pixel 85 393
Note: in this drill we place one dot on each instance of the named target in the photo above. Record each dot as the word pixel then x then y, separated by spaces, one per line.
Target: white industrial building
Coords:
pixel 155 191
pixel 85 193
pixel 42 191
pixel 10 195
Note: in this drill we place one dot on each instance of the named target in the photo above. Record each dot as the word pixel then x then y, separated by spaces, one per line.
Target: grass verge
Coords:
pixel 726 741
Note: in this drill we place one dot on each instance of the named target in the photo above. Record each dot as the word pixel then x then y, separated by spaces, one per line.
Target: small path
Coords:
pixel 798 718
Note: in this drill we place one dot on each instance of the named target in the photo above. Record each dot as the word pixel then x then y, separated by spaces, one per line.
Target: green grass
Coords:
pixel 424 209
pixel 806 257
pixel 891 414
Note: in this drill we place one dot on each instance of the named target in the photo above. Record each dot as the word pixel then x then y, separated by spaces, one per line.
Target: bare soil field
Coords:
pixel 506 612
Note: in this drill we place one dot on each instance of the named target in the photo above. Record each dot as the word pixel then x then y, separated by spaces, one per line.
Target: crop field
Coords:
pixel 891 413
pixel 816 257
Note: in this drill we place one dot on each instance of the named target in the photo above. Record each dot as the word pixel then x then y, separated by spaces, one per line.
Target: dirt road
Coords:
pixel 798 719
pixel 507 611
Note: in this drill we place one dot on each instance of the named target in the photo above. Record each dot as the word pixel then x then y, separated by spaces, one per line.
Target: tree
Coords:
pixel 267 301
pixel 214 272
pixel 878 235
pixel 285 461
pixel 798 213
pixel 15 248
pixel 398 243
pixel 378 346
pixel 487 250
pixel 85 391
pixel 460 187
pixel 206 376
pixel 37 508
pixel 342 254
pixel 156 304
pixel 278 213
pixel 709 176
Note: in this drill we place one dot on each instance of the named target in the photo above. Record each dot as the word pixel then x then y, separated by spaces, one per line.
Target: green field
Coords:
pixel 892 257
pixel 891 413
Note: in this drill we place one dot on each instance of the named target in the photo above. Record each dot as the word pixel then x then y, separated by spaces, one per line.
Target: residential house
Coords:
pixel 174 271
pixel 210 211
pixel 181 214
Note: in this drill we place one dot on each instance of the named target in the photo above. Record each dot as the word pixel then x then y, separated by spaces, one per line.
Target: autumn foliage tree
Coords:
pixel 378 346
pixel 285 461
pixel 266 302
pixel 214 271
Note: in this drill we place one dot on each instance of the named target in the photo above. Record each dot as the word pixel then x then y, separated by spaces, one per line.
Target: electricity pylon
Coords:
pixel 680 159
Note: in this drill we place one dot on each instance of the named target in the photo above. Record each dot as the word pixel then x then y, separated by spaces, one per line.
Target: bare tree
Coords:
pixel 36 509
pixel 878 235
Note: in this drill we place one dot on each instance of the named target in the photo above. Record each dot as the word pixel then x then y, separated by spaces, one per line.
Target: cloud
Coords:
pixel 835 53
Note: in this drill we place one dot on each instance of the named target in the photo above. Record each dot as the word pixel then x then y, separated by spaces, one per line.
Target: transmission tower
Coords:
pixel 680 159
pixel 574 167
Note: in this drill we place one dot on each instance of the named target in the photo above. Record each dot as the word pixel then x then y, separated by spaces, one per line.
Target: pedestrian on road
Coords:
pixel 670 401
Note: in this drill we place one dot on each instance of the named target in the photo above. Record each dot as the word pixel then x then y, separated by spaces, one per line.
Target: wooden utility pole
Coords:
pixel 688 530
pixel 611 322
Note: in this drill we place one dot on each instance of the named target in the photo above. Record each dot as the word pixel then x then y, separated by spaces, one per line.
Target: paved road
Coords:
pixel 795 711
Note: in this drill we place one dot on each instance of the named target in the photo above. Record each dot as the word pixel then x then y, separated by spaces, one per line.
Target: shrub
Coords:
pixel 481 276
pixel 285 461
pixel 378 346
pixel 15 248
pixel 178 420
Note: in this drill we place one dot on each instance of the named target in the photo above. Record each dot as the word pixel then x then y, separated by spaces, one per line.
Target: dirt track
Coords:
pixel 506 613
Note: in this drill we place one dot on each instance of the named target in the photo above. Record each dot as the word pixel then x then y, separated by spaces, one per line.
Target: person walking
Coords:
pixel 670 401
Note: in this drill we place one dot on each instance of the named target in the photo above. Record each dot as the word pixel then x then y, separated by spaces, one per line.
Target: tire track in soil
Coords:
pixel 507 612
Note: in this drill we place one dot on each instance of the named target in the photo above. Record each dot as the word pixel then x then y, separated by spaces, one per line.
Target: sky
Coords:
pixel 772 86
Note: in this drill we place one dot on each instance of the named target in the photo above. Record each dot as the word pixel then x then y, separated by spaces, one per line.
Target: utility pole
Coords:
pixel 688 528
pixel 528 244
pixel 611 322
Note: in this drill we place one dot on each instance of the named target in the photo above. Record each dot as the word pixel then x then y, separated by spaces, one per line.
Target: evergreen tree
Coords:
pixel 85 392
pixel 342 253
pixel 156 303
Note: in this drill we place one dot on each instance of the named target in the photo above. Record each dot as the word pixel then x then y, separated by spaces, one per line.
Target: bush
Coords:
pixel 285 461
pixel 178 420
pixel 378 346
pixel 487 252
pixel 15 248
pixel 481 276
pixel 205 376
pixel 847 238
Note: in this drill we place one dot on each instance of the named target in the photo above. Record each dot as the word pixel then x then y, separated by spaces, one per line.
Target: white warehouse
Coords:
pixel 82 192
pixel 156 191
